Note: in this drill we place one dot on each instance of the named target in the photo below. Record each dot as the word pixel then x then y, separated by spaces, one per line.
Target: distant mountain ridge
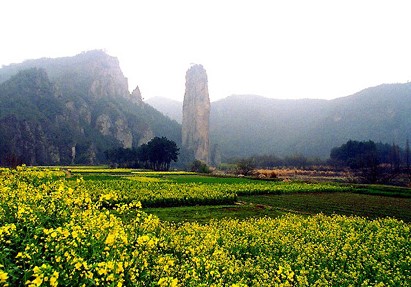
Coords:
pixel 170 108
pixel 70 110
pixel 245 125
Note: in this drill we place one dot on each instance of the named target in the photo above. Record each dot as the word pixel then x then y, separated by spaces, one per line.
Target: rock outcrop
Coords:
pixel 108 79
pixel 136 96
pixel 70 110
pixel 196 114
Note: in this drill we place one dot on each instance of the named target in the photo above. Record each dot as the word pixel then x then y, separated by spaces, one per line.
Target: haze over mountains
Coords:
pixel 70 110
pixel 246 125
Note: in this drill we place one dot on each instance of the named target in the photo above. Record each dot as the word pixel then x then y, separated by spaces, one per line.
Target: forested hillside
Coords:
pixel 70 110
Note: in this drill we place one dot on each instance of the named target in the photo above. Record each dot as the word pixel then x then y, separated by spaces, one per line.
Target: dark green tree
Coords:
pixel 395 157
pixel 246 166
pixel 199 166
pixel 355 154
pixel 296 160
pixel 160 153
pixel 407 155
pixel 157 154
pixel 359 156
pixel 123 157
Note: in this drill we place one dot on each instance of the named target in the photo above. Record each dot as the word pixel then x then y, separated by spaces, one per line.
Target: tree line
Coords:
pixel 370 161
pixel 373 161
pixel 157 155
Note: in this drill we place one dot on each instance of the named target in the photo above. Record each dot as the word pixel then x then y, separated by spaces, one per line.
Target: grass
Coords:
pixel 372 206
pixel 385 190
pixel 104 173
pixel 203 214
pixel 205 179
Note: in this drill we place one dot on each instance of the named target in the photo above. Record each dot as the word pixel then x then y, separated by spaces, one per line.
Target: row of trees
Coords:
pixel 373 161
pixel 157 154
pixel 357 154
pixel 368 160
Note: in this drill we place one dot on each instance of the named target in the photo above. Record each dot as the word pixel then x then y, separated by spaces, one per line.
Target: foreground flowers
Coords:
pixel 55 232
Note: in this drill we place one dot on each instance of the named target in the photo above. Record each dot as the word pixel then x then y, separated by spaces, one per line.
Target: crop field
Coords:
pixel 99 227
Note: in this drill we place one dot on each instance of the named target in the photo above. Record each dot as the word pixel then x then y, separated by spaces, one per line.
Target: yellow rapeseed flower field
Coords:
pixel 55 232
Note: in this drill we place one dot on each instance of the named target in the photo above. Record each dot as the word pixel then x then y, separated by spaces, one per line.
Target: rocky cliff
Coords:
pixel 196 113
pixel 70 110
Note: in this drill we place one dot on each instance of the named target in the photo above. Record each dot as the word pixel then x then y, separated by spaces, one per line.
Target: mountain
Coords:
pixel 70 110
pixel 171 108
pixel 245 125
pixel 381 114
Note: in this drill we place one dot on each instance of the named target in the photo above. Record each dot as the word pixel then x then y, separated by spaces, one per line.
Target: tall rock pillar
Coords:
pixel 196 114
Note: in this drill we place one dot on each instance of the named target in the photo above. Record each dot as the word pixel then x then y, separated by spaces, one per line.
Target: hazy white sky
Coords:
pixel 279 49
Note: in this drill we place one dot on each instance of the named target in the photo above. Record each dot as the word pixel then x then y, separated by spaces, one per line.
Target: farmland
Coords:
pixel 128 228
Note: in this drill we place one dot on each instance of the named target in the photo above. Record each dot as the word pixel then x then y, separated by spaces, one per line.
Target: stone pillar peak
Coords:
pixel 196 113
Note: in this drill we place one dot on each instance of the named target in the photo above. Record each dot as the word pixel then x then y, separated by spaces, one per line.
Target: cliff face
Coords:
pixel 196 113
pixel 70 110
pixel 136 96
pixel 107 78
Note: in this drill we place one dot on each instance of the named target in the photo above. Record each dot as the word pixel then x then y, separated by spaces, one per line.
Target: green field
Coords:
pixel 87 228
pixel 270 199
pixel 351 204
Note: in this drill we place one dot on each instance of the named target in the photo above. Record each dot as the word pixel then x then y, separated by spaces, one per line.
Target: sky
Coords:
pixel 292 49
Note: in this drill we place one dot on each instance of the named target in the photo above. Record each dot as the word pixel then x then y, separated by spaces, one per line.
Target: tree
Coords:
pixel 355 154
pixel 359 156
pixel 395 157
pixel 245 166
pixel 123 157
pixel 160 153
pixel 199 166
pixel 296 160
pixel 407 159
pixel 157 154
pixel 407 155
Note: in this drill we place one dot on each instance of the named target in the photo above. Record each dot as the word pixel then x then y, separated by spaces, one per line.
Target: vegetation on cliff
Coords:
pixel 70 110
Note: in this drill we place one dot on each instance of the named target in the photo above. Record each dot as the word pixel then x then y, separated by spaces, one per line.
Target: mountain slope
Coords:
pixel 381 113
pixel 70 110
pixel 245 125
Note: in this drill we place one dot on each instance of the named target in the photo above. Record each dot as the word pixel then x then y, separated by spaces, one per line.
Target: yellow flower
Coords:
pixel 37 281
pixel 78 265
pixel 110 239
pixel 142 239
pixel 162 281
pixel 36 270
pixel 74 234
pixel 3 276
pixel 53 281
pixel 110 277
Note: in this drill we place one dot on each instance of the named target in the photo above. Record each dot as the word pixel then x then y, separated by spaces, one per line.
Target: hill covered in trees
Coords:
pixel 246 125
pixel 70 110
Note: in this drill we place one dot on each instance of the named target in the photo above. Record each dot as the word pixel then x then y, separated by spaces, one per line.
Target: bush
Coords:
pixel 245 167
pixel 199 166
